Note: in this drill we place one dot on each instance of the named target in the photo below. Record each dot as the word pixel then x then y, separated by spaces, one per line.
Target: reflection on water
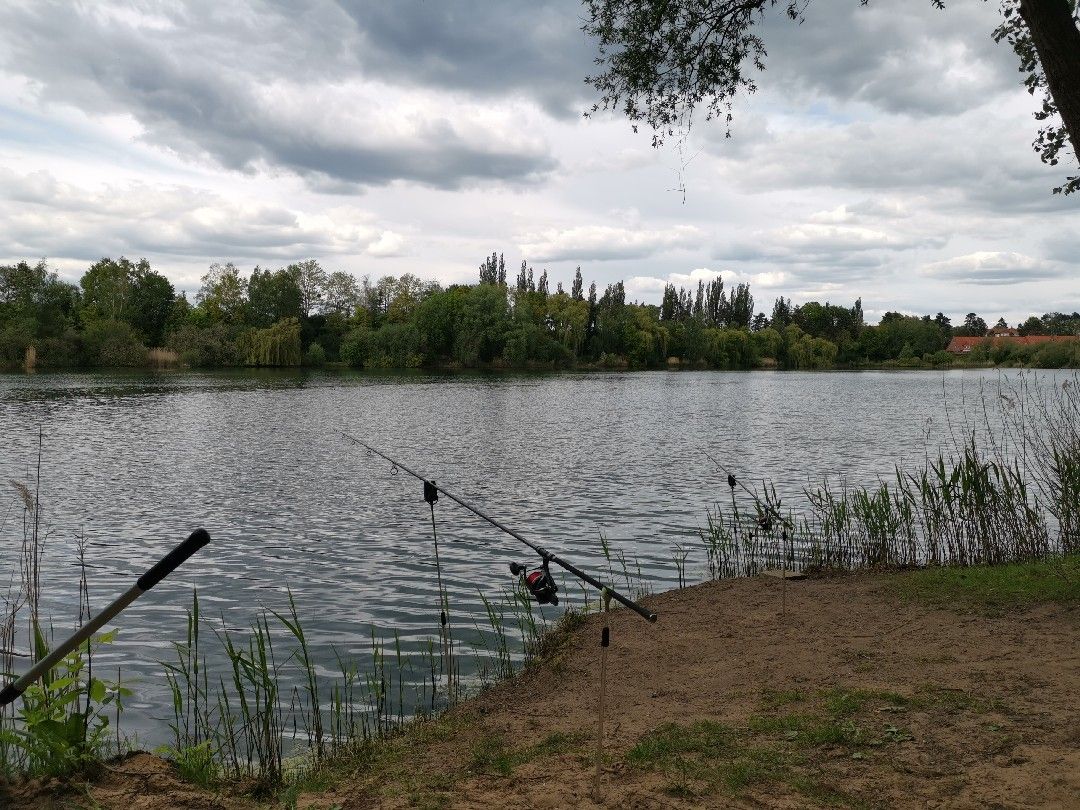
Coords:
pixel 135 461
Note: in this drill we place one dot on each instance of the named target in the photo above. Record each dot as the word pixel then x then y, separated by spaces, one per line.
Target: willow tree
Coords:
pixel 662 59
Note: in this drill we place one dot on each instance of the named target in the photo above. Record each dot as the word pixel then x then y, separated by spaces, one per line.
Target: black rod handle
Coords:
pixel 196 540
pixel 167 564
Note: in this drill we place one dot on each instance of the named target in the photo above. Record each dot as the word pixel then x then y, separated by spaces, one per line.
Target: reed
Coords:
pixel 162 358
pixel 1007 493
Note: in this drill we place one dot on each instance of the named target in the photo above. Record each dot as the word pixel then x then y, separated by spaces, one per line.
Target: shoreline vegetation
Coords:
pixel 124 314
pixel 836 690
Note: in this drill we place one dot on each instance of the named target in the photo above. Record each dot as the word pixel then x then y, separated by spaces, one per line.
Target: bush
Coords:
pixel 14 338
pixel 208 347
pixel 395 345
pixel 60 352
pixel 315 355
pixel 1059 354
pixel 356 347
pixel 112 344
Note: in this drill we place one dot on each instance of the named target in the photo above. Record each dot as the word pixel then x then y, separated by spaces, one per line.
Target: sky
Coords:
pixel 886 154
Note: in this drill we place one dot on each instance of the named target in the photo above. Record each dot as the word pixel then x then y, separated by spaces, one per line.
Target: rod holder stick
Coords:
pixel 545 555
pixel 605 639
pixel 165 566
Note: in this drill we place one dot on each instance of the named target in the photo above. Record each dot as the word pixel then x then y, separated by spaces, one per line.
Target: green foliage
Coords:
pixel 112 344
pixel 62 723
pixel 315 356
pixel 484 322
pixel 122 306
pixel 207 347
pixel 395 345
pixel 272 297
pixel 277 345
pixel 223 295
pixel 356 347
pixel 15 336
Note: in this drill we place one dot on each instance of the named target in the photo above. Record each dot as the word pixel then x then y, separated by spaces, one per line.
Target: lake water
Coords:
pixel 133 462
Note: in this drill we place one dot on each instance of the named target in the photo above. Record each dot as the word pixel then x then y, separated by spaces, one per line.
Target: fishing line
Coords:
pixel 785 524
pixel 539 582
pixel 446 641
pixel 732 482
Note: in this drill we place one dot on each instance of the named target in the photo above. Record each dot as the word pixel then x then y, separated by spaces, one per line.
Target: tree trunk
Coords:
pixel 1057 41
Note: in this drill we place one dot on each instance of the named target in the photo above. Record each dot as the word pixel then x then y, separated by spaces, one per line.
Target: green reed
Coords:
pixel 998 496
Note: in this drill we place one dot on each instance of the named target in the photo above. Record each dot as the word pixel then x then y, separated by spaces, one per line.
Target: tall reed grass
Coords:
pixel 1007 492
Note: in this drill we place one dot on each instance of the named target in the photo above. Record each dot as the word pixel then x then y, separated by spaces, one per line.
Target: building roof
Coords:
pixel 962 345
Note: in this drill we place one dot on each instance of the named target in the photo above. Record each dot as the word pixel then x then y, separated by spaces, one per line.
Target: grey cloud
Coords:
pixel 603 243
pixel 198 85
pixel 957 162
pixel 992 268
pixel 531 48
pixel 1064 245
pixel 898 58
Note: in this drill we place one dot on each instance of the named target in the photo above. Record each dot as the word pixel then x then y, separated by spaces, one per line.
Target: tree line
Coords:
pixel 123 313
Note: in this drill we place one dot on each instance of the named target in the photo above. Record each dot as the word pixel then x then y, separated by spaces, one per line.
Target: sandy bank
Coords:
pixel 855 697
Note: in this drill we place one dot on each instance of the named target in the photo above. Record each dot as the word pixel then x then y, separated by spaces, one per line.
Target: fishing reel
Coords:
pixel 538 581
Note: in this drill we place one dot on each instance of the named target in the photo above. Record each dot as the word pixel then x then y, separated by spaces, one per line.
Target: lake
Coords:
pixel 133 462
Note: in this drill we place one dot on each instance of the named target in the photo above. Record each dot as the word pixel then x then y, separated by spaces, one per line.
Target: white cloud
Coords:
pixel 40 215
pixel 603 242
pixel 649 287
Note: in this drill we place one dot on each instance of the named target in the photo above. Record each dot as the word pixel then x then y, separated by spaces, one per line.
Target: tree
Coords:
pixel 669 305
pixel 107 288
pixel 342 293
pixel 151 304
pixel 1032 326
pixel 311 279
pixel 974 326
pixel 781 313
pixel 489 270
pixel 223 294
pixel 272 297
pixel 577 290
pixel 131 292
pixel 662 59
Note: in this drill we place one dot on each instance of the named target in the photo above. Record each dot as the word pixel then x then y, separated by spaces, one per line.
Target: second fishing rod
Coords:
pixel 542 587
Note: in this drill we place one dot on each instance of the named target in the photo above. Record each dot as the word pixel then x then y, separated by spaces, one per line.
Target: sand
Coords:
pixel 928 708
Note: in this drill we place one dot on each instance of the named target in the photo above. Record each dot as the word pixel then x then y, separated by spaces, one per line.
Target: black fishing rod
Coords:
pixel 732 482
pixel 542 586
pixel 161 569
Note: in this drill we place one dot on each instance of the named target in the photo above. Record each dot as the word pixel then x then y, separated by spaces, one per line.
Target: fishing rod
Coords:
pixel 732 482
pixel 540 583
pixel 161 569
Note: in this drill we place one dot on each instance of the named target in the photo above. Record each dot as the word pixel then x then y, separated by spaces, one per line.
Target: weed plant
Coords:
pixel 62 723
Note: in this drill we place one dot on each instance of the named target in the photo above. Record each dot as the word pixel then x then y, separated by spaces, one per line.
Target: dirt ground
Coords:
pixel 851 697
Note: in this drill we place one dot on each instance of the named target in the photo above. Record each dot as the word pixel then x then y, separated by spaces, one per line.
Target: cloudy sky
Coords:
pixel 886 155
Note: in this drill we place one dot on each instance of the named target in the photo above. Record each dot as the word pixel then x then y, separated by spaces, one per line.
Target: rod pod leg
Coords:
pixel 605 639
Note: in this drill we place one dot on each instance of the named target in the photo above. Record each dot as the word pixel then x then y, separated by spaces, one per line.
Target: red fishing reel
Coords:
pixel 538 581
